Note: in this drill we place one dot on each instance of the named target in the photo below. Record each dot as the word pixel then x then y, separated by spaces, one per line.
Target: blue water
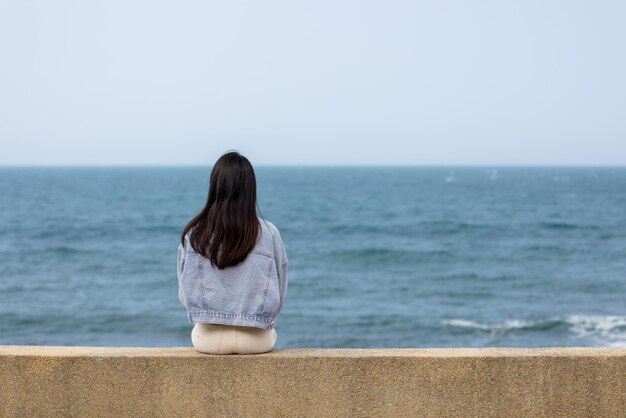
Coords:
pixel 378 257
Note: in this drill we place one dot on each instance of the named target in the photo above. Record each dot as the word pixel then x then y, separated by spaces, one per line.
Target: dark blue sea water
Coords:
pixel 378 257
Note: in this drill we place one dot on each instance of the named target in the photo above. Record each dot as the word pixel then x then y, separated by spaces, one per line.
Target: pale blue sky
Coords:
pixel 315 82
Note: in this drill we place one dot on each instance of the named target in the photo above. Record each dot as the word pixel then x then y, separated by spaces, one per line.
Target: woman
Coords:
pixel 232 266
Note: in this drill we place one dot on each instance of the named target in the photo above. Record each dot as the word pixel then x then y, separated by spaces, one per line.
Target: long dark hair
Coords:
pixel 227 228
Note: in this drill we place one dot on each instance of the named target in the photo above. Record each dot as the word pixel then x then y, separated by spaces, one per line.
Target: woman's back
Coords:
pixel 250 293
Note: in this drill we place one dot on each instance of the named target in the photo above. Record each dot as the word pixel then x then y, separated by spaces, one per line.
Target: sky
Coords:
pixel 313 82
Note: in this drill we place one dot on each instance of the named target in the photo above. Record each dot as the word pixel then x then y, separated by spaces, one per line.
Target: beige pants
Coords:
pixel 230 339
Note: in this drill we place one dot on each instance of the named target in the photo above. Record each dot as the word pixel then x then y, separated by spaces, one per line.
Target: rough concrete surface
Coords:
pixel 313 382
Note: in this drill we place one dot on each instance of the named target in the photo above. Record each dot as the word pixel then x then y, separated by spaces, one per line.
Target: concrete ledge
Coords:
pixel 133 382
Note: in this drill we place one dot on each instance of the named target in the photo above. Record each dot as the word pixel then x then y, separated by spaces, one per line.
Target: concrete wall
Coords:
pixel 168 382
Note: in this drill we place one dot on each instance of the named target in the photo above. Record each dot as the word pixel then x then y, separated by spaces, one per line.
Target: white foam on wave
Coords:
pixel 605 330
pixel 503 326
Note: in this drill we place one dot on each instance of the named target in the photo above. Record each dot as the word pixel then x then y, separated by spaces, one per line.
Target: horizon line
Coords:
pixel 318 165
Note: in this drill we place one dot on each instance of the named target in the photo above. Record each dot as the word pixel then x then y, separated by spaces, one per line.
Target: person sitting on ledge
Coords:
pixel 232 266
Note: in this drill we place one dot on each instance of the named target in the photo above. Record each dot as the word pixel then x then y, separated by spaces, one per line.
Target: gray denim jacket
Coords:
pixel 250 293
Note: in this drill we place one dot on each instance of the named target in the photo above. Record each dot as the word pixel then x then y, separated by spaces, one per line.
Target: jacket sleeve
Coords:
pixel 180 265
pixel 280 256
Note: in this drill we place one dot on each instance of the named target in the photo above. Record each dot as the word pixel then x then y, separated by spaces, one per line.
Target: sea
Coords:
pixel 378 256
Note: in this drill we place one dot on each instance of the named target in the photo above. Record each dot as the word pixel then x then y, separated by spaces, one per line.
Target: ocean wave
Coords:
pixel 455 227
pixel 567 226
pixel 607 330
pixel 168 229
pixel 508 325
pixel 67 250
pixel 379 254
pixel 411 228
